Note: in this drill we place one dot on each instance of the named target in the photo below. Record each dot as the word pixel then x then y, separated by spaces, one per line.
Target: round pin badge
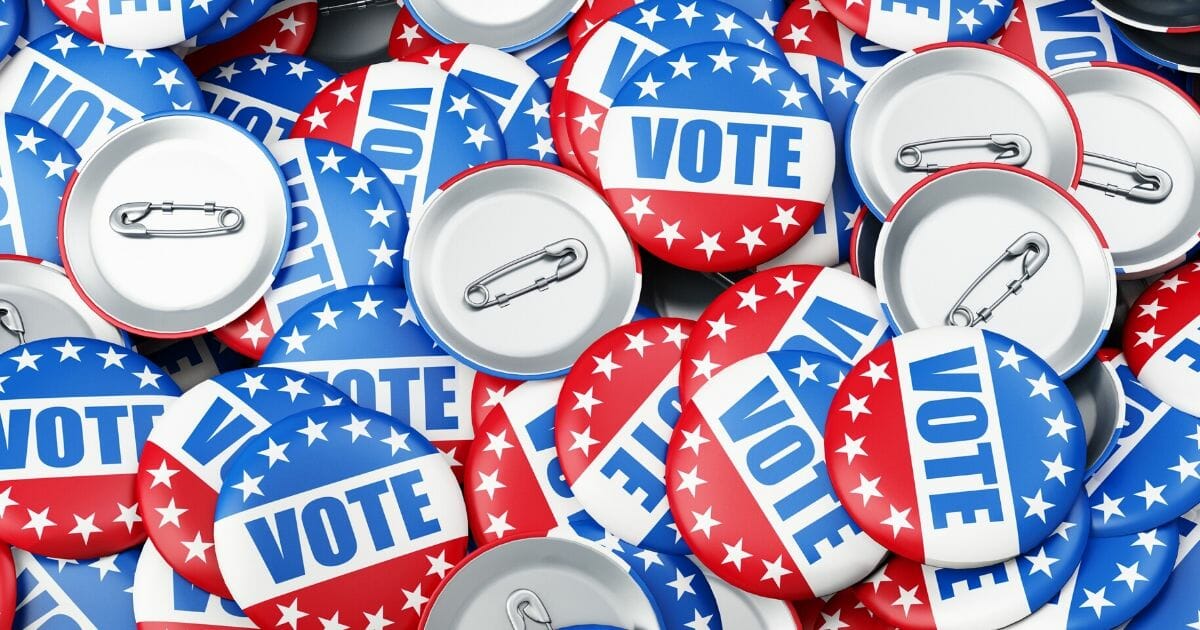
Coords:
pixel 39 303
pixel 287 28
pixel 955 447
pixel 97 88
pixel 796 307
pixel 180 470
pixel 191 360
pixel 510 27
pixel 747 481
pixel 808 28
pixel 909 26
pixel 237 17
pixel 864 238
pixel 1119 576
pixel 513 91
pixel 150 254
pixel 685 118
pixel 1119 178
pixel 845 611
pixel 368 342
pixel 573 582
pixel 36 165
pixel 419 124
pixel 408 38
pixel 139 26
pixel 264 93
pixel 1101 399
pixel 547 56
pixel 376 503
pixel 904 593
pixel 1162 338
pixel 954 104
pixel 164 600
pixel 740 609
pixel 487 391
pixel 679 587
pixel 81 410
pixel 96 593
pixel 1041 274
pixel 348 224
pixel 618 407
pixel 614 52
pixel 12 21
pixel 1159 17
pixel 39 20
pixel 8 586
pixel 559 122
pixel 521 293
pixel 593 13
pixel 1175 605
pixel 1179 51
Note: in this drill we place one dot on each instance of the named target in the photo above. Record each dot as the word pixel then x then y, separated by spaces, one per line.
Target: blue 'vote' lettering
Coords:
pixel 1064 17
pixel 32 610
pixel 947 578
pixel 931 8
pixel 437 382
pixel 637 477
pixel 305 230
pixel 398 149
pixel 215 435
pixel 58 434
pixel 258 121
pixel 191 598
pixel 834 323
pixel 700 146
pixel 79 111
pixel 1187 353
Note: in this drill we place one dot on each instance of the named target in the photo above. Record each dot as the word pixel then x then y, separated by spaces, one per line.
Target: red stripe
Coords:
pixel 528 510
pixel 398 46
pixel 1182 307
pixel 88 22
pixel 905 574
pixel 558 113
pixel 596 12
pixel 264 34
pixel 823 36
pixel 341 119
pixel 1015 36
pixel 479 395
pixel 81 495
pixel 231 334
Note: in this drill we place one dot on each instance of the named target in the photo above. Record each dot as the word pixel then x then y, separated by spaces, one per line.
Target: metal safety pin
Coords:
pixel 1013 148
pixel 127 219
pixel 1154 183
pixel 10 319
pixel 1032 248
pixel 572 255
pixel 337 6
pixel 524 606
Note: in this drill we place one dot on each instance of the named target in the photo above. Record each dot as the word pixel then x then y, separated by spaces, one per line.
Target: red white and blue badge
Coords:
pixel 709 127
pixel 182 464
pixel 747 480
pixel 679 588
pixel 84 90
pixel 94 593
pixel 287 28
pixel 1053 34
pixel 191 360
pixel 34 170
pixel 618 407
pixel 1175 606
pixel 367 342
pixel 547 56
pixel 78 412
pixel 1162 338
pixel 419 124
pixel 905 26
pixel 139 25
pixel 911 595
pixel 955 447
pixel 808 28
pixel 325 506
pixel 264 93
pixel 1119 576
pixel 1151 477
pixel 164 600
pixel 797 307
pixel 613 53
pixel 347 226
pixel 513 91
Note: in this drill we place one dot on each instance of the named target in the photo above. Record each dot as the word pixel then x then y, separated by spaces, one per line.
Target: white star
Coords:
pixel 162 475
pixel 785 218
pixel 788 284
pixel 344 92
pixel 1152 494
pixel 399 441
pixel 407 316
pixel 585 401
pixel 64 44
pixel 649 86
pixel 106 565
pixel 248 486
pixel 1011 358
pixel 727 24
pixel 852 448
pixel 544 145
pixel 1041 387
pixel 168 80
pixel 762 72
pixel 693 440
pixel 79 7
pixel 294 341
pixel 170 514
pixel 26 360
pixel 640 207
pixel 294 387
pixel 84 527
pixel 583 441
pixel 360 182
pixel 377 621
pixel 698 622
pixel 867 489
pixel 1196 624
pixel 290 24
pixel 774 571
pixel 1057 470
pixel 290 614
pixel 750 239
pixel 805 371
pixel 147 377
pixel 367 306
pixel 490 483
pixel 670 232
pixel 750 299
pixel 275 452
pixel 332 623
pixel 877 579
pixel 138 56
pixel 833 622
pixel 477 136
pixel 991 4
pixel 1063 529
pixel 605 365
pixel 1173 283
pixel 1037 506
pixel 637 343
pixel 705 366
pixel 1129 575
pixel 856 407
pixel 650 18
pixel 383 254
pixel 498 443
pixel 734 554
pixel 1096 601
pixel 1150 309
pixel 128 516
pixel 839 85
pixel 1041 562
pixel 57 167
pixel 1148 541
pixel 28 142
pixel 196 549
pixel 6 501
pixel 1186 469
pixel 719 327
pixel 331 161
pixel 967 19
pixel 254 332
pixel 538 110
pixel 1059 426
pixel 682 67
pixel 898 520
pixel 722 61
pixel 877 372
pixel 1110 507
pixel 682 584
pixel 710 244
pixel 414 600
pixel 112 357
pixel 907 599
pixel 792 96
pixel 438 565
pixel 798 35
pixel 498 525
pixel 1147 337
pixel 690 480
pixel 357 427
pixel 316 120
pixel 704 522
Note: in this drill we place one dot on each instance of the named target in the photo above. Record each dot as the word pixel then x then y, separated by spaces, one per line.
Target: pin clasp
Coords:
pixel 1153 183
pixel 1033 250
pixel 524 607
pixel 1012 148
pixel 128 219
pixel 10 320
pixel 570 252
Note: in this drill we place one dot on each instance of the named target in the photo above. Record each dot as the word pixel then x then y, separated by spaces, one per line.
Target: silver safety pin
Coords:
pixel 10 319
pixel 1154 184
pixel 524 607
pixel 572 255
pixel 337 6
pixel 1032 248
pixel 127 219
pixel 1013 149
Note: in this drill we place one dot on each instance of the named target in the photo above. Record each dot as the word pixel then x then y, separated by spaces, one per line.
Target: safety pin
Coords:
pixel 1155 184
pixel 572 255
pixel 1013 148
pixel 325 8
pixel 524 606
pixel 1033 249
pixel 10 319
pixel 127 219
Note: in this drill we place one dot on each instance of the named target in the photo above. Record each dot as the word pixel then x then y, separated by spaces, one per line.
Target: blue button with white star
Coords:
pixel 677 585
pixel 264 93
pixel 84 90
pixel 12 20
pixel 94 593
pixel 1176 605
pixel 34 168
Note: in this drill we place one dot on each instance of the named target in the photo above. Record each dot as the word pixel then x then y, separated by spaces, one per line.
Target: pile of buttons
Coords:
pixel 599 314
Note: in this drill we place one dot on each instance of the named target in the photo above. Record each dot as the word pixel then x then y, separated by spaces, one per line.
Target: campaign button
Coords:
pixel 347 226
pixel 906 26
pixel 1119 576
pixel 1175 606
pixel 1150 478
pixel 955 447
pixel 713 126
pixel 845 611
pixel 487 391
pixel 182 464
pixel 164 600
pixel 40 303
pixel 1162 338
pixel 34 170
pixel 593 13
pixel 264 93
pixel 614 52
pixel 1158 17
pixel 191 360
pixel 94 593
pixel 139 25
pixel 8 586
pixel 77 412
pixel 509 27
pixel 911 595
pixel 329 504
pixel 419 124
pixel 618 407
pixel 547 56
pixel 747 479
pixel 240 15
pixel 679 587
pixel 408 37
pixel 513 91
pixel 741 609
pixel 84 90
pixel 808 28
pixel 287 28
pixel 798 307
pixel 367 342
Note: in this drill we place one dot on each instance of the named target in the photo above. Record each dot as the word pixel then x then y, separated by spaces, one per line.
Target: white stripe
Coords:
pixel 132 26
pixel 845 290
pixel 904 30
pixel 154 596
pixel 181 420
pixel 990 604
